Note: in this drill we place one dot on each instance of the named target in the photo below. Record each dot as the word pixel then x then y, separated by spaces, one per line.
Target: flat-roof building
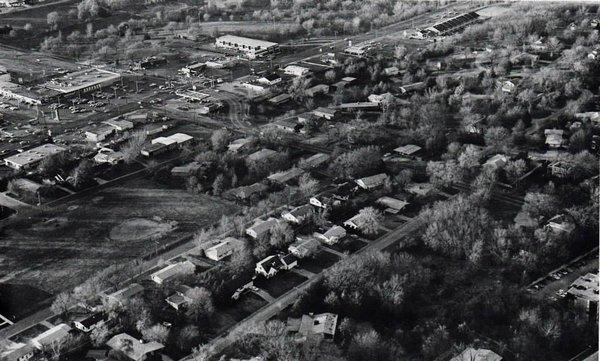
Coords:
pixel 32 157
pixel 83 81
pixel 253 48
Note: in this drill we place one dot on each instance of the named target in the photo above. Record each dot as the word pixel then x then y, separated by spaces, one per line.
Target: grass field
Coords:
pixel 61 247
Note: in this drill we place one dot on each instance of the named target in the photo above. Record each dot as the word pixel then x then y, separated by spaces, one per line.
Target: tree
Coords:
pixel 134 146
pixel 371 220
pixel 53 164
pixel 218 185
pixel 201 306
pixel 540 204
pixel 282 235
pixel 515 169
pixel 82 175
pixel 53 19
pixel 219 139
pixel 444 173
pixel 99 335
pixel 496 137
pixel 188 337
pixel 436 343
pixel 28 27
pixel 356 162
pixel 62 303
pixel 308 185
pixel 158 333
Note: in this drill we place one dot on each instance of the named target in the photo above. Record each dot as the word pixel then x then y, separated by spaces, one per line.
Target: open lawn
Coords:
pixel 280 283
pixel 319 261
pixel 111 226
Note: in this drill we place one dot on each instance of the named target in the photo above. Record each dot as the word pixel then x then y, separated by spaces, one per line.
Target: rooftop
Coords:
pixel 585 287
pixel 81 79
pixel 247 41
pixel 133 348
pixel 35 154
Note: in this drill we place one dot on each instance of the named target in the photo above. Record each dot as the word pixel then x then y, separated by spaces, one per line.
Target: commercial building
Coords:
pixel 81 82
pixel 451 25
pixel 296 70
pixel 32 157
pixel 253 48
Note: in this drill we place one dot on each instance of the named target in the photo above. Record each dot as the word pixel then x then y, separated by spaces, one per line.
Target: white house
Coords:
pixel 372 182
pixel 393 205
pixel 260 227
pixel 172 270
pixel 332 236
pixel 471 354
pixel 222 249
pixel 303 247
pixel 298 214
pixel 89 322
pixel 268 267
pixel 296 70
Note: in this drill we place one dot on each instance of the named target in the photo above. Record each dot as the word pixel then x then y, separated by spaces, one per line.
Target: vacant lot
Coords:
pixel 93 232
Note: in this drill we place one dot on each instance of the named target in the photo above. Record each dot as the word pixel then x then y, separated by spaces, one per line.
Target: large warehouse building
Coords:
pixel 452 24
pixel 253 48
pixel 66 86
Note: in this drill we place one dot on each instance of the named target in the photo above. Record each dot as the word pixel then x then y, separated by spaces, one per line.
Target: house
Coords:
pixel 385 98
pixel 179 299
pixel 177 139
pixel 255 86
pixel 590 116
pixel 54 335
pixel 554 137
pixel 286 175
pixel 583 293
pixel 409 88
pixel 327 113
pixel 261 228
pixel 119 125
pixel 133 348
pixel 280 99
pixel 559 168
pixel 186 169
pixel 238 144
pixel 287 125
pixel 99 134
pixel 408 150
pixel 173 270
pixel 107 155
pixel 357 222
pixel 497 161
pixel 372 182
pixel 314 161
pixel 392 205
pixel 152 150
pixel 316 90
pixel 298 215
pixel 126 293
pixel 246 192
pixel 97 354
pixel 332 236
pixel 269 79
pixel 296 70
pixel 268 267
pixel 471 354
pixel 391 71
pixel 32 157
pixel 561 223
pixel 18 352
pixel 261 155
pixel 508 87
pixel 222 249
pixel 420 189
pixel 288 261
pixel 303 247
pixel 313 327
pixel 89 322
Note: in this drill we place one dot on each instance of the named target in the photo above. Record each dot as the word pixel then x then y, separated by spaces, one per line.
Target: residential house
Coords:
pixel 18 352
pixel 299 214
pixel 120 125
pixel 238 144
pixel 296 70
pixel 303 246
pixel 384 98
pixel 409 88
pixel 287 125
pixel 321 201
pixel 372 182
pixel 280 99
pixel 288 261
pixel 186 169
pixel 89 322
pixel 420 189
pixel 126 293
pixel 314 161
pixel 269 79
pixel 109 156
pixel 223 249
pixel 179 299
pixel 313 327
pixel 391 71
pixel 247 192
pixel 268 266
pixel 133 348
pixel 261 228
pixel 471 354
pixel 408 150
pixel 306 117
pixel 327 113
pixel 54 335
pixel 172 270
pixel 554 137
pixel 498 161
pixel 286 175
pixel 317 90
pixel 261 155
pixel 584 295
pixel 392 205
pixel 332 236
pixel 561 223
pixel 356 222
pixel 559 168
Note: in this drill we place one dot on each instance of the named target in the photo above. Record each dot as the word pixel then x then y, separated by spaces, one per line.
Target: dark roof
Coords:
pixel 456 22
pixel 92 319
pixel 271 76
pixel 289 259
